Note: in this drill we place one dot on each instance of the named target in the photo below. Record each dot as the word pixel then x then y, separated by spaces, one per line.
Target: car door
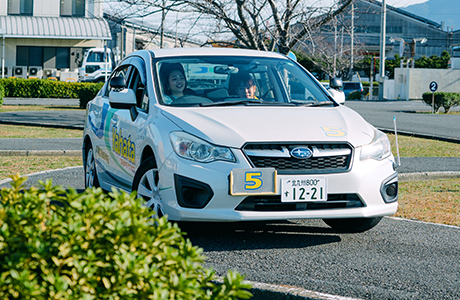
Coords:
pixel 127 127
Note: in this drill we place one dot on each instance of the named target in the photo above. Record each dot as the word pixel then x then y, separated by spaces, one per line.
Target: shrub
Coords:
pixel 59 244
pixel 355 95
pixel 2 93
pixel 442 99
pixel 46 88
pixel 88 92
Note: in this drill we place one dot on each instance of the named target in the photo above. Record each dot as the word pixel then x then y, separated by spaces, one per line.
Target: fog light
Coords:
pixel 392 190
pixel 191 193
pixel 389 189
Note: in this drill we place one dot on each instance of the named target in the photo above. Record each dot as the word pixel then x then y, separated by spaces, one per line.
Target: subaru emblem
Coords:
pixel 301 153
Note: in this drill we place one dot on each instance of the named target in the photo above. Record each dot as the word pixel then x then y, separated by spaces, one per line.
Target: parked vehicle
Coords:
pixel 353 86
pixel 175 125
pixel 97 64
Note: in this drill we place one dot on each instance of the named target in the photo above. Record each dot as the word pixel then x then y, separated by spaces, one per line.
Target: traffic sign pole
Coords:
pixel 433 88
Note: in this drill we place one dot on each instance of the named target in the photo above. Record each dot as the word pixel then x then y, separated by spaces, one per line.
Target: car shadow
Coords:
pixel 257 235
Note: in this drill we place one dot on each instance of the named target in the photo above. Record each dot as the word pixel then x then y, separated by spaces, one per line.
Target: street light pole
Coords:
pixel 383 26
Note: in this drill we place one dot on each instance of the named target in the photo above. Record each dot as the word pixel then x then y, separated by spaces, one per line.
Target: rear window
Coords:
pixel 351 86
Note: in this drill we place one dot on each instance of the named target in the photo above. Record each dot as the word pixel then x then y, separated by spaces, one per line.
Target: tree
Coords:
pixel 253 24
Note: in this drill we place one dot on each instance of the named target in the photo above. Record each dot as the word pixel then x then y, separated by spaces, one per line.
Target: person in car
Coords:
pixel 174 82
pixel 246 87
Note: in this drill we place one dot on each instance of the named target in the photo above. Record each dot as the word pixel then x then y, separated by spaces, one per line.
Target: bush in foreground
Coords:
pixel 59 244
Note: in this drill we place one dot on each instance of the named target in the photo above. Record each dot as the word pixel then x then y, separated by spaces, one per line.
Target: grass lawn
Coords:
pixel 9 108
pixel 435 201
pixel 16 131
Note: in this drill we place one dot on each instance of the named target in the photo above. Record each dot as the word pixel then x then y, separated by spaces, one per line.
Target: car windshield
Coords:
pixel 233 80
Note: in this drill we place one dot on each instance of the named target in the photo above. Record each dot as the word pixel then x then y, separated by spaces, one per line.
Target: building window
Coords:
pixel 21 7
pixel 72 8
pixel 47 57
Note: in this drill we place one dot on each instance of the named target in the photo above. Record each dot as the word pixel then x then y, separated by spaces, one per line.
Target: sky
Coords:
pixel 403 3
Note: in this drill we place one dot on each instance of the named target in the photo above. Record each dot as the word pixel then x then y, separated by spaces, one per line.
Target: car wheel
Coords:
pixel 146 184
pixel 91 179
pixel 352 225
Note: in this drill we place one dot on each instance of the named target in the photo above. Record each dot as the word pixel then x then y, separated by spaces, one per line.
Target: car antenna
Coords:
pixel 397 146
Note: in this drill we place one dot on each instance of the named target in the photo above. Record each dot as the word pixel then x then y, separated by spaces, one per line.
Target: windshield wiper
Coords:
pixel 312 103
pixel 245 102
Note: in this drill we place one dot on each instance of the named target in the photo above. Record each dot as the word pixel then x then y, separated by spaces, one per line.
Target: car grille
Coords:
pixel 273 203
pixel 327 158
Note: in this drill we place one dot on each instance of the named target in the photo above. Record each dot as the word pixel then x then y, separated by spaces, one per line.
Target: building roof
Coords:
pixel 54 27
pixel 407 14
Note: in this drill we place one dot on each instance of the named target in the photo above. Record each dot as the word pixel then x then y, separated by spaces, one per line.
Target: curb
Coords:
pixel 40 152
pixel 404 177
pixel 41 124
pixel 264 291
pixel 422 135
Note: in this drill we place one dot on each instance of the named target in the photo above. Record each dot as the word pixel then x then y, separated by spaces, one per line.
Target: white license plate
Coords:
pixel 303 188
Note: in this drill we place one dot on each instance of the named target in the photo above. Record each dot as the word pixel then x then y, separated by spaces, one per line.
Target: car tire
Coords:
pixel 352 225
pixel 91 179
pixel 146 184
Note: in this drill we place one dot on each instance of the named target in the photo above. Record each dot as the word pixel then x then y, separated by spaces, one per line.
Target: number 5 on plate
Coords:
pixel 253 182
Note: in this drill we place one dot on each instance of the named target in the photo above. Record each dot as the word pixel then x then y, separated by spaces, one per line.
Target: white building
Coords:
pixel 44 37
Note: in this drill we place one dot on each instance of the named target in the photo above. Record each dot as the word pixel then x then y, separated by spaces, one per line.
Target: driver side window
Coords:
pixel 139 89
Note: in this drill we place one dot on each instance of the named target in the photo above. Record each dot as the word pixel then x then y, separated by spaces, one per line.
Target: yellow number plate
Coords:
pixel 253 182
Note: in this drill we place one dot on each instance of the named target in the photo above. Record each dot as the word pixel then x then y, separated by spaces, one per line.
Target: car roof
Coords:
pixel 178 52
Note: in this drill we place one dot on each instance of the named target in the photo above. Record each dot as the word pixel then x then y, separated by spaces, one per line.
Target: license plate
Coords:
pixel 253 182
pixel 303 188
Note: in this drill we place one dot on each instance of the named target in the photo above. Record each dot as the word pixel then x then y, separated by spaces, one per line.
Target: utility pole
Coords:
pixel 334 72
pixel 352 37
pixel 383 26
pixel 162 29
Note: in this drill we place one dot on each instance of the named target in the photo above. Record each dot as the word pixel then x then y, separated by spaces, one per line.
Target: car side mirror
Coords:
pixel 124 99
pixel 118 82
pixel 336 83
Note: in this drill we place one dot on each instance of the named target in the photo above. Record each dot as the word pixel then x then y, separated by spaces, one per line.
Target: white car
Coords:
pixel 213 155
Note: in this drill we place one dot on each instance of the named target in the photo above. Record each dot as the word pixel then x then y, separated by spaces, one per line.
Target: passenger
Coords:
pixel 174 82
pixel 246 87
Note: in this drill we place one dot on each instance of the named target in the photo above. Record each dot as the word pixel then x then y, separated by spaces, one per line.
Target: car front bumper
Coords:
pixel 365 183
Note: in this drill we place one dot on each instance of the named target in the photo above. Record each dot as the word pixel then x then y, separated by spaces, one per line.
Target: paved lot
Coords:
pixel 409 117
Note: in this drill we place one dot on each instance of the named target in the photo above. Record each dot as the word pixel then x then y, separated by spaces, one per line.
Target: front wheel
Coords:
pixel 91 179
pixel 146 184
pixel 353 225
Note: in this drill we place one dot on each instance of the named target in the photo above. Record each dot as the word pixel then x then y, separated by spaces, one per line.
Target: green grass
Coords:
pixel 11 108
pixel 16 131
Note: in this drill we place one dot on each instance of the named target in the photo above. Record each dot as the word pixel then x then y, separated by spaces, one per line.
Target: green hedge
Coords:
pixel 442 99
pixel 46 88
pixel 60 244
pixel 2 94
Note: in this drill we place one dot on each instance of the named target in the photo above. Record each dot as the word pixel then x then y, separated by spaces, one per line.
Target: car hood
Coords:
pixel 235 125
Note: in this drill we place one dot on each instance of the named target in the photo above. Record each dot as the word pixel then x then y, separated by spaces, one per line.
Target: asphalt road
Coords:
pixel 409 118
pixel 398 259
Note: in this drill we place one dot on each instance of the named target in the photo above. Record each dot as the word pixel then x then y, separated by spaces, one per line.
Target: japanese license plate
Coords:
pixel 303 188
pixel 253 182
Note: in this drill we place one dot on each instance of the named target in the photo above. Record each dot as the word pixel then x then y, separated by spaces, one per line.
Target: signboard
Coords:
pixel 433 86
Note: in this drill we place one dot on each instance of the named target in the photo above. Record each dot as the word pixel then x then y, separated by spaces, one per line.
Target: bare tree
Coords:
pixel 253 24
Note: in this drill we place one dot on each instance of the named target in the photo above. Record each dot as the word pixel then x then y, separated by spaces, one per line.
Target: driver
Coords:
pixel 174 82
pixel 246 87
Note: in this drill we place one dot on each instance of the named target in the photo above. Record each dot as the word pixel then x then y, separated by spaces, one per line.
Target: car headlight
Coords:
pixel 191 147
pixel 378 149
